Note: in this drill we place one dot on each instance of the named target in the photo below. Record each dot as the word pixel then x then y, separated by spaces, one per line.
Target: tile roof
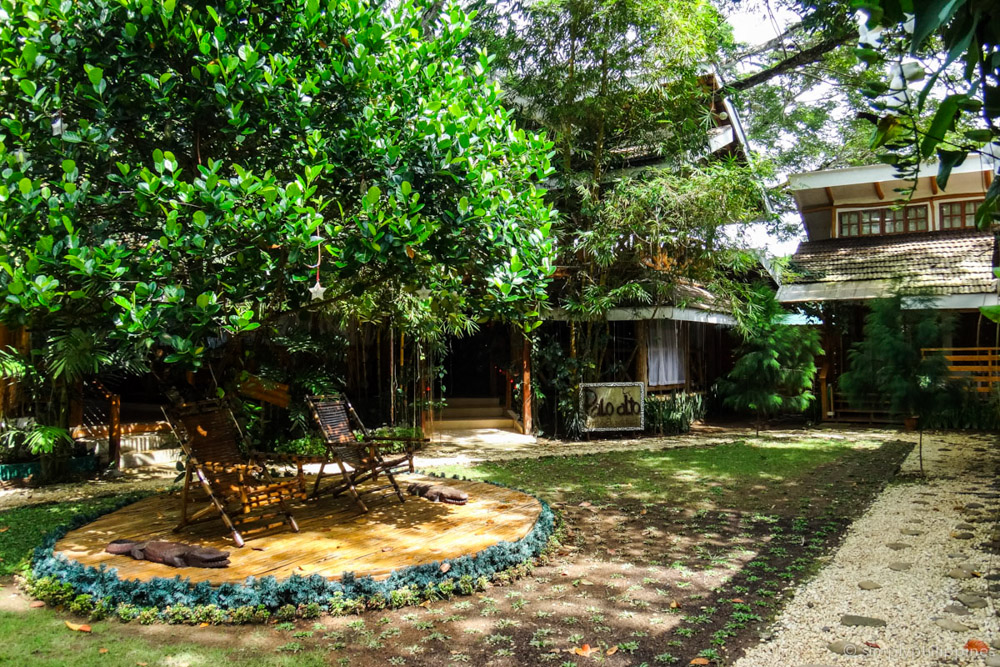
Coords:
pixel 951 262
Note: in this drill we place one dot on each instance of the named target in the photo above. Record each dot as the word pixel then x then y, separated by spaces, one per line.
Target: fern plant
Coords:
pixel 776 366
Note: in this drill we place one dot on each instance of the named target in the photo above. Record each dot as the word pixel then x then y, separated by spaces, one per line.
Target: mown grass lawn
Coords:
pixel 749 474
pixel 666 556
pixel 22 528
pixel 40 638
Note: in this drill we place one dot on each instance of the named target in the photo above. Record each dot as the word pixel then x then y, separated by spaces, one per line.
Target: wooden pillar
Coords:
pixel 642 352
pixel 115 431
pixel 526 386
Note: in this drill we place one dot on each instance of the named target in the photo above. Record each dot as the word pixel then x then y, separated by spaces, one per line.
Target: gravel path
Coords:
pixel 928 555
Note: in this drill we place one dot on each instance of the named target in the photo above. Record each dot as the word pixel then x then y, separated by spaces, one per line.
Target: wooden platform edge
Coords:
pixel 500 503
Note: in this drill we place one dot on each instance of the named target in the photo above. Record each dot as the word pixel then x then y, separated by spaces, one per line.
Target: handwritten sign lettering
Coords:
pixel 613 406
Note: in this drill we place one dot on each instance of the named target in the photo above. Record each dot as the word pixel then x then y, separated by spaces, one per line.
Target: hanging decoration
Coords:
pixel 316 291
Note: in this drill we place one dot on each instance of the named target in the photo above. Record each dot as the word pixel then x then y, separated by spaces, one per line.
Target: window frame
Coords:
pixel 866 220
pixel 968 218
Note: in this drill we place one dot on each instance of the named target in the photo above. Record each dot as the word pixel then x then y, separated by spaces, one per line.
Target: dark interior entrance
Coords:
pixel 476 365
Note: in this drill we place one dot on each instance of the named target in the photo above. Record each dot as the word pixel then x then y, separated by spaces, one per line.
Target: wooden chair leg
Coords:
pixel 391 477
pixel 350 487
pixel 319 476
pixel 289 519
pixel 221 509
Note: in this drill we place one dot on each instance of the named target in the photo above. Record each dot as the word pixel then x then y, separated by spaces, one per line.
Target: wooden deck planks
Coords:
pixel 335 537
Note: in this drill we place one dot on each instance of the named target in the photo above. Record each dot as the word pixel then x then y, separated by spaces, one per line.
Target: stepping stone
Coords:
pixel 900 566
pixel 965 526
pixel 868 585
pixel 956 555
pixel 992 577
pixel 972 601
pixel 844 647
pixel 962 536
pixel 958 610
pixel 861 621
pixel 996 643
pixel 914 521
pixel 960 573
pixel 953 626
pixel 920 502
pixel 910 531
pixel 974 506
pixel 898 546
pixel 993 661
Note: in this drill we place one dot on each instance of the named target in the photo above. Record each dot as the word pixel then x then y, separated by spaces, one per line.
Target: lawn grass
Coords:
pixel 719 475
pixel 23 528
pixel 42 639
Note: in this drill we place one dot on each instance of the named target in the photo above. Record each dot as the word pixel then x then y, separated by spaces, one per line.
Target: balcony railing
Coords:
pixel 979 366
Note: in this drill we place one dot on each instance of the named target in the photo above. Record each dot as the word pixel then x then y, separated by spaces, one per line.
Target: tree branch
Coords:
pixel 804 57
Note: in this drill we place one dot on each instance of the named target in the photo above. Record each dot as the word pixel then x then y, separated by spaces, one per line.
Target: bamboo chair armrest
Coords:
pixel 213 466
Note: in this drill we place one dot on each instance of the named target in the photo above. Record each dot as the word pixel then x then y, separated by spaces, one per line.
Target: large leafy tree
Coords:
pixel 178 170
pixel 622 89
pixel 175 174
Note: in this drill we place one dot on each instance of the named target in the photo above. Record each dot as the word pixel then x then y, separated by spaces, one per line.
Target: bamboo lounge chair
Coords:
pixel 240 490
pixel 337 423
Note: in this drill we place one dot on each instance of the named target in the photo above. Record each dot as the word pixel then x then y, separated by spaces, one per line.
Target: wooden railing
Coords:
pixel 979 366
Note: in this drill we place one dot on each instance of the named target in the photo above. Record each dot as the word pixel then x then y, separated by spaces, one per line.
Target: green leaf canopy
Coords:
pixel 173 171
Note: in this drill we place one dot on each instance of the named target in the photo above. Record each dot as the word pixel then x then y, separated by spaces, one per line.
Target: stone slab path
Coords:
pixel 916 578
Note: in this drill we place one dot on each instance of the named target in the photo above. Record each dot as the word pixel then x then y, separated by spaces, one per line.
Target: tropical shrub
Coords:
pixel 776 365
pixel 674 414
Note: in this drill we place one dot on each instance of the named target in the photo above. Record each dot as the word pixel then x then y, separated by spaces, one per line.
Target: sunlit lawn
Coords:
pixel 725 474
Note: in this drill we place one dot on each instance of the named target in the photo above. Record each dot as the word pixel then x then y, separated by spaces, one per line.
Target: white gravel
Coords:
pixel 908 601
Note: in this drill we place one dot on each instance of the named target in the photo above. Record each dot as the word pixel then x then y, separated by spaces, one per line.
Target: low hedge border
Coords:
pixel 99 592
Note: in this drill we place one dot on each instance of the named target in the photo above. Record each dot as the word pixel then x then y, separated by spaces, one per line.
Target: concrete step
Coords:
pixel 475 412
pixel 467 424
pixel 472 402
pixel 482 440
pixel 153 457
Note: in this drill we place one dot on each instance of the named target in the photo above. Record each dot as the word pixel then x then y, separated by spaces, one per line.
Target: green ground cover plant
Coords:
pixel 22 528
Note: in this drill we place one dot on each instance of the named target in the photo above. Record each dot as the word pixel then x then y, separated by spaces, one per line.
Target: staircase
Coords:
pixel 471 420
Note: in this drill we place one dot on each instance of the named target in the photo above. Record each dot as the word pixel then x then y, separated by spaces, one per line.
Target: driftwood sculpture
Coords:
pixel 439 493
pixel 175 554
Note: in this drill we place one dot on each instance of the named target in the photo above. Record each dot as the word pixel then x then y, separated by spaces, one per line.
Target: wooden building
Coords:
pixel 869 233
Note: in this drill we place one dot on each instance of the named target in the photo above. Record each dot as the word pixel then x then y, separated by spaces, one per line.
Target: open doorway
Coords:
pixel 476 365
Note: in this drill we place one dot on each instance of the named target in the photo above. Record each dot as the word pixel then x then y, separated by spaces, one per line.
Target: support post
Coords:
pixel 115 431
pixel 526 386
pixel 642 353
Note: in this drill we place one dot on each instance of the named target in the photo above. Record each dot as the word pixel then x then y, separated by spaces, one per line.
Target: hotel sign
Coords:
pixel 613 406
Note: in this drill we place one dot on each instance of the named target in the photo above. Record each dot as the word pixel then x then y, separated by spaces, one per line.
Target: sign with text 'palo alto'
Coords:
pixel 613 406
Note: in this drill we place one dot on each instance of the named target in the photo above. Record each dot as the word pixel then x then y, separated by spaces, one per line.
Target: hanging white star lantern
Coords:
pixel 317 291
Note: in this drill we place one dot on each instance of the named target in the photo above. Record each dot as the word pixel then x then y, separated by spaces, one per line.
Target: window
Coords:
pixel 876 221
pixel 960 214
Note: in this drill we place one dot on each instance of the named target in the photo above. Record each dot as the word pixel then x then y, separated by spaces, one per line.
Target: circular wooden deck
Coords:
pixel 335 537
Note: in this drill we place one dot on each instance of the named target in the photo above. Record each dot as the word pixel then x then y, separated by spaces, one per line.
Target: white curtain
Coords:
pixel 664 357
